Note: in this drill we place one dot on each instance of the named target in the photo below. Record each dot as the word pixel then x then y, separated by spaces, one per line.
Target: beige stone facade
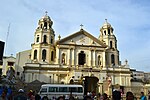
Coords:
pixel 79 58
pixel 8 61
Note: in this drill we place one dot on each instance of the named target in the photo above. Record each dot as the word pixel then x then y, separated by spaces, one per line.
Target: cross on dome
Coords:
pixel 46 13
pixel 106 20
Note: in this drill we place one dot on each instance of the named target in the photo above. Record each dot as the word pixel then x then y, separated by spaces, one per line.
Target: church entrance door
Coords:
pixel 90 84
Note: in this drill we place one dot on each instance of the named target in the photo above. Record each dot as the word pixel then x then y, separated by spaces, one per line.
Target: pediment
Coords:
pixel 81 38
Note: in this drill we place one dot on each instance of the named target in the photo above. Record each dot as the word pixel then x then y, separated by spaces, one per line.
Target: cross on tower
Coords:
pixel 106 20
pixel 81 26
pixel 46 13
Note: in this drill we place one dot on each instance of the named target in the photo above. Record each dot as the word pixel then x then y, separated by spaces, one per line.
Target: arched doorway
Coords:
pixel 90 84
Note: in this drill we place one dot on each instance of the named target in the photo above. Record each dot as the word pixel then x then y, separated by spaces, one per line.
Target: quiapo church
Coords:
pixel 79 58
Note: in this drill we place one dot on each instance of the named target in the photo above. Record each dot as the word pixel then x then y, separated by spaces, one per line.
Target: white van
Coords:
pixel 55 90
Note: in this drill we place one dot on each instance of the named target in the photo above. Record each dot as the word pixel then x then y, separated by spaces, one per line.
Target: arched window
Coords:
pixel 35 54
pixel 108 31
pixel 104 32
pixel 52 56
pixel 37 39
pixel 45 25
pixel 49 26
pixel 81 58
pixel 71 81
pixel 115 44
pixel 99 60
pixel 51 40
pixel 44 55
pixel 112 59
pixel 41 25
pixel 63 58
pixel 45 37
pixel 110 44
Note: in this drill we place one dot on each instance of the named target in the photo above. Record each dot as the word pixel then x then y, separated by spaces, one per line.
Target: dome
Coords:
pixel 106 24
pixel 45 17
pixel 45 21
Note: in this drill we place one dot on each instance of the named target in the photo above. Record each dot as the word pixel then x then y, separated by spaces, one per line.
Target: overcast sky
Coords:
pixel 129 18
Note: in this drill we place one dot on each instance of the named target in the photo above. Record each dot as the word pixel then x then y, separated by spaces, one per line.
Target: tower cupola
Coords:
pixel 45 22
pixel 106 29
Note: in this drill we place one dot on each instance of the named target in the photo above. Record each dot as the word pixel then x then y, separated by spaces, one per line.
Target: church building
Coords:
pixel 79 58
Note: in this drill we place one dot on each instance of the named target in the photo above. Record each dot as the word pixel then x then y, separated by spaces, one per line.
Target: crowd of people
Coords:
pixel 7 94
pixel 116 95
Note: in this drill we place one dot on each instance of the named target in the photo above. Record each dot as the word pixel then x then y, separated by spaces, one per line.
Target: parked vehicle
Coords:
pixel 57 90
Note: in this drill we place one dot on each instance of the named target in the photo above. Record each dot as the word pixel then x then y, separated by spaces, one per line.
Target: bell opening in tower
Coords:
pixel 45 39
pixel 45 25
pixel 108 31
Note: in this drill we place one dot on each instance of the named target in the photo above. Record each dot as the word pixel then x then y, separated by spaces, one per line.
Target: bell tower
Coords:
pixel 107 37
pixel 43 49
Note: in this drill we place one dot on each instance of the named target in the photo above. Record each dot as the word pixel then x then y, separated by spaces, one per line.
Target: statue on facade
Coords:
pixel 10 75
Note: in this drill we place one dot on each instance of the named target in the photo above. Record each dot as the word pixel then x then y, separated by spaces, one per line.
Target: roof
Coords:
pixel 81 32
pixel 61 85
pixel 36 82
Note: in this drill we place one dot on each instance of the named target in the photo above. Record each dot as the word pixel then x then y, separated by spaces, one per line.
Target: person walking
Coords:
pixel 105 96
pixel 143 97
pixel 37 96
pixel 9 93
pixel 116 95
pixel 129 96
pixel 3 96
pixel 20 95
pixel 148 95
